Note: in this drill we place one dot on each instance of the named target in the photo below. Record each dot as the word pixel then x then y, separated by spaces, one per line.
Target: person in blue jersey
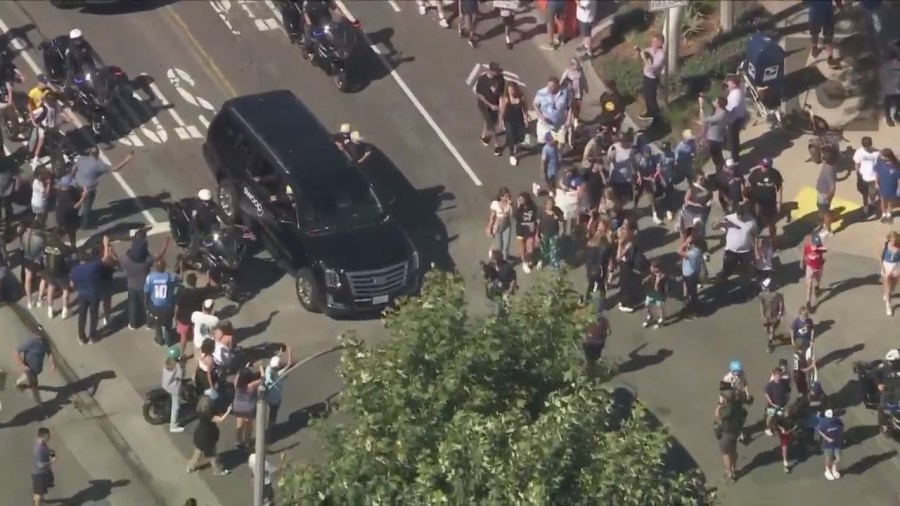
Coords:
pixel 159 289
pixel 86 280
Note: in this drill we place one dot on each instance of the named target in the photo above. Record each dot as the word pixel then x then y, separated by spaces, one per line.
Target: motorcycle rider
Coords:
pixel 79 55
pixel 204 221
pixel 317 13
pixel 887 379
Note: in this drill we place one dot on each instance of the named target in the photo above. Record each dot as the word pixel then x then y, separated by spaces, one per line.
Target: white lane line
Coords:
pixel 181 129
pixel 415 101
pixel 204 121
pixel 155 229
pixel 20 47
pixel 158 134
pixel 221 8
pixel 275 12
pixel 394 5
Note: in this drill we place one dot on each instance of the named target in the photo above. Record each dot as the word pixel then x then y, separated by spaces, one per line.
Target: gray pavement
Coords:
pixel 89 467
pixel 445 210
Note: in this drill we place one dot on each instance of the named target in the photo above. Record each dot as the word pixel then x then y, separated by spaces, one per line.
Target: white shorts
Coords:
pixel 891 269
pixel 542 128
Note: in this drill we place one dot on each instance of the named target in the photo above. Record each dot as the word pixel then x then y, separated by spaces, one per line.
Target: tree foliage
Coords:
pixel 456 409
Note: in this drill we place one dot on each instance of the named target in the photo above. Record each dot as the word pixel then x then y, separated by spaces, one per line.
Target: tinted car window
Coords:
pixel 340 204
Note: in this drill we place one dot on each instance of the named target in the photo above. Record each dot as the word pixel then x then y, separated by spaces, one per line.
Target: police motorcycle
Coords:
pixel 92 92
pixel 15 115
pixel 220 254
pixel 886 402
pixel 332 44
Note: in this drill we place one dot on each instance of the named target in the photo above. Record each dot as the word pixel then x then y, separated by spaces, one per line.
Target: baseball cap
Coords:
pixel 208 303
pixel 345 128
pixel 494 67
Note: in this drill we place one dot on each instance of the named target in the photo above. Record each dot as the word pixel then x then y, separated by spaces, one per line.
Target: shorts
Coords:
pixel 832 453
pixel 823 203
pixel 27 380
pixel 651 301
pixel 733 261
pixel 812 273
pixel 184 330
pixel 822 24
pixel 525 232
pixel 728 443
pixel 772 323
pixel 41 483
pixel 866 188
pixel 891 268
pixel 489 115
pixel 766 214
pixel 59 282
pixel 555 9
pixel 647 186
pixel 468 8
pixel 584 29
pixel 624 191
pixel 784 439
pixel 33 266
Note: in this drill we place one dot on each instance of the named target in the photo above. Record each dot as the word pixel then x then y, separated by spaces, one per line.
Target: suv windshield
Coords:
pixel 342 204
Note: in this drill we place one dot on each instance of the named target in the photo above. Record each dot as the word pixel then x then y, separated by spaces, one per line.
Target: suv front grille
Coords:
pixel 379 281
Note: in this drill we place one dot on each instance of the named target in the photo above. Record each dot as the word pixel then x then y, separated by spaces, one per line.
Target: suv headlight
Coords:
pixel 414 261
pixel 332 278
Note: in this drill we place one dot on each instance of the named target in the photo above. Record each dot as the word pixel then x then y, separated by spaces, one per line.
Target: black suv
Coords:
pixel 319 216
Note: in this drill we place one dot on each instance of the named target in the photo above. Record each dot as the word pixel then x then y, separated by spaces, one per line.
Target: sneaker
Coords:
pixel 526 268
pixel 498 151
pixel 646 322
pixel 423 9
pixel 625 309
pixel 30 304
pixel 509 44
pixel 888 309
pixel 131 327
pixel 890 122
pixel 443 23
pixel 670 215
pixel 222 472
pixel 103 322
pixel 486 141
pixel 658 324
pixel 38 302
pixel 513 161
pixel 645 116
pixel 787 468
pixel 472 43
pixel 176 429
pixel 769 432
pixel 657 220
pixel 65 313
pixel 539 266
pixel 815 50
pixel 50 312
pixel 190 470
pixel 834 63
pixel 828 475
pixel 836 474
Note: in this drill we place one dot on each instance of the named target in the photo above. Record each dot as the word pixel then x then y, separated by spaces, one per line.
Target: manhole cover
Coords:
pixel 831 94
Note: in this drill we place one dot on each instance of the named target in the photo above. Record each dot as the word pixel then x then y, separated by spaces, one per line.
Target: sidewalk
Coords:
pixel 90 468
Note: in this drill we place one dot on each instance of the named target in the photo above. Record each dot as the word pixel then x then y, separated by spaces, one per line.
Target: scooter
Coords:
pixel 157 406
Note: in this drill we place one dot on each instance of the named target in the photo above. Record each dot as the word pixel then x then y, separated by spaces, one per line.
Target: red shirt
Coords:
pixel 813 257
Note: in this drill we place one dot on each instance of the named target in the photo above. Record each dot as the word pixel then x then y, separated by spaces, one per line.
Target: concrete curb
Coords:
pixel 86 404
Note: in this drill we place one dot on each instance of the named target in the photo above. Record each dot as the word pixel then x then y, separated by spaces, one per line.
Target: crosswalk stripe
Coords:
pixel 180 130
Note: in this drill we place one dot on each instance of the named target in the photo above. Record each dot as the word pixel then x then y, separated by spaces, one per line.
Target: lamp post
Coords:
pixel 262 414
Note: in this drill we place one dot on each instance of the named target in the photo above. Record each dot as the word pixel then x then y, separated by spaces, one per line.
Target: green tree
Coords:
pixel 463 410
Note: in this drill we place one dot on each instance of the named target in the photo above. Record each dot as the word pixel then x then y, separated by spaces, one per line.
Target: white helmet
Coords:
pixel 204 195
pixel 75 33
pixel 892 355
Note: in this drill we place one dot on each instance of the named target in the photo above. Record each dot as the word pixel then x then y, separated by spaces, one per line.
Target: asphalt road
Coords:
pixel 433 156
pixel 88 468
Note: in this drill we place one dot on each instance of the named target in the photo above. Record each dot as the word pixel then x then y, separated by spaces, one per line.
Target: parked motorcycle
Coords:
pixel 220 255
pixel 866 375
pixel 333 49
pixel 157 406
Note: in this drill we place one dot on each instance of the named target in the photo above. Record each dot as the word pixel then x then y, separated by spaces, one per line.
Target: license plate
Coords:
pixel 381 299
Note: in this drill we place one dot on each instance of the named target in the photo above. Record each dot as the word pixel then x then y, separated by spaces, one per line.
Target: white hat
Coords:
pixel 208 303
pixel 355 136
pixel 687 135
pixel 75 33
pixel 729 163
pixel 829 413
pixel 345 128
pixel 275 362
pixel 204 195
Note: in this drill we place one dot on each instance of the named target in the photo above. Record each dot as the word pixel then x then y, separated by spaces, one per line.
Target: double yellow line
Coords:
pixel 204 56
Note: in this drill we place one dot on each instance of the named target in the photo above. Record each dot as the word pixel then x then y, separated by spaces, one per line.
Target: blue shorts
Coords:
pixel 823 203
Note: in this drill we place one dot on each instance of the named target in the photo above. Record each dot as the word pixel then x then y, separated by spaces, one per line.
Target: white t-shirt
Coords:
pixel 500 210
pixel 587 11
pixel 38 194
pixel 221 354
pixel 866 160
pixel 203 326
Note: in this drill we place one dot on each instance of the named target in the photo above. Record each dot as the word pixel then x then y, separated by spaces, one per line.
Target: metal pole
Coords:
pixel 673 37
pixel 260 450
pixel 726 15
pixel 665 76
pixel 262 415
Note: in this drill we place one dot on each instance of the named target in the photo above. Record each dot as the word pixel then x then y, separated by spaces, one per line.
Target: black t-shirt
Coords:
pixel 777 393
pixel 356 150
pixel 526 220
pixel 764 186
pixel 491 88
pixel 611 105
pixel 502 274
pixel 206 434
pixel 549 223
pixel 190 300
pixel 65 207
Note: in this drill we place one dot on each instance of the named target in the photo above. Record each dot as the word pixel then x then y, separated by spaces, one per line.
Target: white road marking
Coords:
pixel 394 5
pixel 272 23
pixel 480 67
pixel 154 229
pixel 129 138
pixel 222 7
pixel 415 101
pixel 473 74
pixel 160 135
pixel 181 129
pixel 204 121
pixel 177 77
pixel 20 47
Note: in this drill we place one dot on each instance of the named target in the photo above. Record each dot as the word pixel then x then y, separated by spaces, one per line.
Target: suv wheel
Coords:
pixel 228 201
pixel 307 291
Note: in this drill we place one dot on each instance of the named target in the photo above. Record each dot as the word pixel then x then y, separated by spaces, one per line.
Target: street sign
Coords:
pixel 663 5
